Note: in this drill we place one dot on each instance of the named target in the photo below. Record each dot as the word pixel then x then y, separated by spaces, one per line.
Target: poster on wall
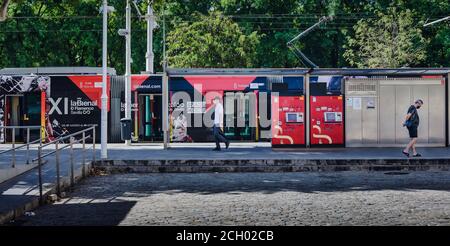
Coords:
pixel 357 103
pixel 179 121
pixel 75 104
pixel 179 129
pixel 19 85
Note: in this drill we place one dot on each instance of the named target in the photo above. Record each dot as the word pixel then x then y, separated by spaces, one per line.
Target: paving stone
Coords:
pixel 342 198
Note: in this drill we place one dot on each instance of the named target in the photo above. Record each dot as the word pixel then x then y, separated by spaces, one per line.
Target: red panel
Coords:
pixel 431 76
pixel 435 77
pixel 331 131
pixel 43 114
pixel 91 86
pixel 137 80
pixel 219 83
pixel 283 132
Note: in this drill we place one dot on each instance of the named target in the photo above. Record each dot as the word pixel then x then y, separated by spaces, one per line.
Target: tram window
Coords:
pixel 335 84
pixel 331 83
pixel 294 83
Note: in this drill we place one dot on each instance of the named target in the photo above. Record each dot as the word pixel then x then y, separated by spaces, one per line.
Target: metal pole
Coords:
pixel 321 20
pixel 58 187
pixel 28 145
pixel 40 170
pixel 165 105
pixel 307 109
pixel 165 91
pixel 72 179
pixel 14 147
pixel 296 51
pixel 150 26
pixel 93 144
pixel 128 65
pixel 84 156
pixel 437 21
pixel 104 115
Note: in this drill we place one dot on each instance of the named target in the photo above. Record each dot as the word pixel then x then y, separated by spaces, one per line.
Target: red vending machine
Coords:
pixel 327 111
pixel 288 114
pixel 288 126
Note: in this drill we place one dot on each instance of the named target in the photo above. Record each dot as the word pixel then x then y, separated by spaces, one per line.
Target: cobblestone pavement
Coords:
pixel 341 198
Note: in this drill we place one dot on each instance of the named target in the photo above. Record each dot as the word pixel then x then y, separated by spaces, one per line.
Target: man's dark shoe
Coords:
pixel 216 149
pixel 405 153
pixel 227 144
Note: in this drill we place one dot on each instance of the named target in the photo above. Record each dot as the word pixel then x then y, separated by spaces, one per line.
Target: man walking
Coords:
pixel 412 123
pixel 218 125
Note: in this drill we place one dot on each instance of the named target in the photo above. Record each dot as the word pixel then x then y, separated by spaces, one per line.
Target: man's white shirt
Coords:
pixel 218 115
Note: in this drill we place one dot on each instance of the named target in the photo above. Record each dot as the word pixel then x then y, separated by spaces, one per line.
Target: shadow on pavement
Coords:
pixel 107 200
pixel 143 185
pixel 80 214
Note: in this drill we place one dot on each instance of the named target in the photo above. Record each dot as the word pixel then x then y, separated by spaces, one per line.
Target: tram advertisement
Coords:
pixel 75 104
pixel 14 109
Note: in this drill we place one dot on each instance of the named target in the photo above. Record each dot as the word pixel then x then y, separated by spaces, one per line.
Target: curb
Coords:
pixel 264 165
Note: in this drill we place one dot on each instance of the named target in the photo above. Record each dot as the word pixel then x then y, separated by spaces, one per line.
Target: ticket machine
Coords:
pixel 288 116
pixel 288 125
pixel 326 107
pixel 327 121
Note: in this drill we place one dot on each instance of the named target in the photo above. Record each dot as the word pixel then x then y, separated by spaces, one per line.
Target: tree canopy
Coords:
pixel 68 33
pixel 391 40
pixel 211 41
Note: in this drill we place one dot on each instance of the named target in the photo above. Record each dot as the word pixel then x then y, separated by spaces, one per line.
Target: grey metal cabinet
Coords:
pixel 376 109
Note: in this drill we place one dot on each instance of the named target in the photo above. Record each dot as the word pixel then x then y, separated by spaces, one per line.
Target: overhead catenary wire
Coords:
pixel 260 22
pixel 249 16
pixel 47 30
pixel 300 55
pixel 142 31
pixel 270 23
pixel 257 25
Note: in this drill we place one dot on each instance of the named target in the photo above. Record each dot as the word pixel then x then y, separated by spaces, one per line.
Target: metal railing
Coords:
pixel 26 145
pixel 59 146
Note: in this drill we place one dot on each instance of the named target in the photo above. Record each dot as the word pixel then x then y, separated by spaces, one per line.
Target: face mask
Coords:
pixel 418 107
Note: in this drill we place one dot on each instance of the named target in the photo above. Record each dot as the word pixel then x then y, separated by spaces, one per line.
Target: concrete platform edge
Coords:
pixel 258 165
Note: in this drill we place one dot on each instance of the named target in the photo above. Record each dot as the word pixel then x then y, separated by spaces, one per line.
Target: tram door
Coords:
pixel 150 117
pixel 13 113
pixel 22 110
pixel 237 116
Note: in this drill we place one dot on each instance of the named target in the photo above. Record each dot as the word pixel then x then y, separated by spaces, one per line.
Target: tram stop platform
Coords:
pixel 20 193
pixel 260 157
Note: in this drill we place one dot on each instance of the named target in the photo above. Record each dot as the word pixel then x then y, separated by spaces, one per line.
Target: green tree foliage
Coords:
pixel 272 21
pixel 212 41
pixel 391 40
pixel 68 32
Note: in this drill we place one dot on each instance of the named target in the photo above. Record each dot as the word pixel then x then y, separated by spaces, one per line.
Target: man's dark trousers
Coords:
pixel 219 136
